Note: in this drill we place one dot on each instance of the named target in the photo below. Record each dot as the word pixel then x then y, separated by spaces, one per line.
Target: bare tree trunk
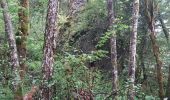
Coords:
pixel 111 16
pixel 48 59
pixel 132 54
pixel 22 34
pixel 13 50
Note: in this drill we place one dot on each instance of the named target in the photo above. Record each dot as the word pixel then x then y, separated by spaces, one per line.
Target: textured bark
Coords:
pixel 22 35
pixel 168 85
pixel 13 50
pixel 132 54
pixel 111 18
pixel 159 64
pixel 48 59
pixel 150 17
pixel 75 6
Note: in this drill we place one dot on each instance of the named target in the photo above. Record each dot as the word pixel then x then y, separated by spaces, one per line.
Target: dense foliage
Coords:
pixel 82 58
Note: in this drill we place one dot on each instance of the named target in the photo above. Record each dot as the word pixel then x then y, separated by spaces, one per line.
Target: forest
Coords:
pixel 84 50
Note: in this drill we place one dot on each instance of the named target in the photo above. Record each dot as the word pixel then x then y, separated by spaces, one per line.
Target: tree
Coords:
pixel 93 42
pixel 65 32
pixel 22 34
pixel 132 53
pixel 14 62
pixel 75 6
pixel 168 85
pixel 48 53
pixel 150 18
pixel 111 17
pixel 31 93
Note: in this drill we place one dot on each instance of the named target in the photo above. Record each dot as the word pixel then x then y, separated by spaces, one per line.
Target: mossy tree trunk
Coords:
pixel 22 34
pixel 159 64
pixel 14 62
pixel 168 85
pixel 150 18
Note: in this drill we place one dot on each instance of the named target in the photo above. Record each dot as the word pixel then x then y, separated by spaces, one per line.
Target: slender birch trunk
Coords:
pixel 14 62
pixel 132 54
pixel 48 59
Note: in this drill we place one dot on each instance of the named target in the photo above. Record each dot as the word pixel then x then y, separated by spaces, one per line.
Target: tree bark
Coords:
pixel 164 28
pixel 75 6
pixel 159 64
pixel 143 53
pixel 22 35
pixel 48 59
pixel 111 18
pixel 132 54
pixel 150 18
pixel 141 69
pixel 168 85
pixel 14 62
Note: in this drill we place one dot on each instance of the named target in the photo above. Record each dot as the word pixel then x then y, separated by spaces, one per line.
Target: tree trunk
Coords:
pixel 132 54
pixel 150 18
pixel 164 28
pixel 159 64
pixel 168 85
pixel 48 60
pixel 22 34
pixel 75 6
pixel 111 18
pixel 13 50
pixel 155 49
pixel 143 53
pixel 141 69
